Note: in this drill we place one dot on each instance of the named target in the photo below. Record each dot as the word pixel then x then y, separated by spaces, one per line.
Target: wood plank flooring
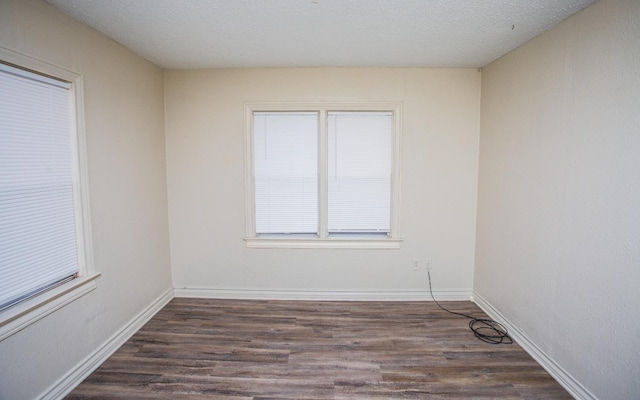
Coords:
pixel 306 350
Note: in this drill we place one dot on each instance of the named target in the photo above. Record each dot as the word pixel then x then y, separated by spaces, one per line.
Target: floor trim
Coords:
pixel 76 375
pixel 332 295
pixel 575 388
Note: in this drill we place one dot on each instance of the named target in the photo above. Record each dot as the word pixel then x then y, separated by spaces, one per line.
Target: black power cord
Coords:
pixel 487 330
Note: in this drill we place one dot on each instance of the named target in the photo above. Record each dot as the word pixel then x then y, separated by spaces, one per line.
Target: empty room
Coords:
pixel 319 199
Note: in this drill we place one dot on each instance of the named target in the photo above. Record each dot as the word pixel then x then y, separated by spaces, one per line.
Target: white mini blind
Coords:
pixel 286 172
pixel 37 226
pixel 359 168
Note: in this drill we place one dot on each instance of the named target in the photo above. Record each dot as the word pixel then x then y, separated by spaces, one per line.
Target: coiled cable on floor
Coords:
pixel 487 330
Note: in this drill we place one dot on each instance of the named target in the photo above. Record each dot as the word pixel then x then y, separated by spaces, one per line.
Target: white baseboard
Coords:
pixel 565 379
pixel 329 295
pixel 75 376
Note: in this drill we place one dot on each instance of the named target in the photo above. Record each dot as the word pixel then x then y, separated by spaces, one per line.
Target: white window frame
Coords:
pixel 323 239
pixel 21 315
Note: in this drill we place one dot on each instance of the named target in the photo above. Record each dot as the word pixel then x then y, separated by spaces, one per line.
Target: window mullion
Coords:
pixel 322 179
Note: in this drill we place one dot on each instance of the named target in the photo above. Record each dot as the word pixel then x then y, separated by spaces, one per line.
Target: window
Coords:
pixel 286 172
pixel 44 246
pixel 359 171
pixel 322 175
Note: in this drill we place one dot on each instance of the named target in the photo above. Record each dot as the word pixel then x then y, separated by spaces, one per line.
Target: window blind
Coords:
pixel 37 226
pixel 286 172
pixel 359 168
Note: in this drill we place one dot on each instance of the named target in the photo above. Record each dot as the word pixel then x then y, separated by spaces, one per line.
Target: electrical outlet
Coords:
pixel 428 265
pixel 416 264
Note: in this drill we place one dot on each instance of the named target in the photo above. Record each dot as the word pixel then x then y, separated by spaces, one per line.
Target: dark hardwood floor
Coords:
pixel 260 350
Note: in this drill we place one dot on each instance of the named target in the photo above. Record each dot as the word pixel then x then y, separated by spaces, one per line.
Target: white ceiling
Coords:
pixel 318 33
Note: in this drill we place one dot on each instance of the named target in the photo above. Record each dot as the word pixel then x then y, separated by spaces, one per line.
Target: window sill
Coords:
pixel 20 316
pixel 358 243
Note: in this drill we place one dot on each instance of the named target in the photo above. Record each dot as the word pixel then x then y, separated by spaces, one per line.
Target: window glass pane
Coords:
pixel 37 226
pixel 359 169
pixel 286 172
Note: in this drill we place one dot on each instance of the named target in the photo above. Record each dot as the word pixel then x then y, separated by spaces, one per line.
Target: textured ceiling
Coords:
pixel 317 33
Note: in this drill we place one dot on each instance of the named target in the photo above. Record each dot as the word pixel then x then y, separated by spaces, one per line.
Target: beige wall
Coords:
pixel 205 144
pixel 558 238
pixel 125 134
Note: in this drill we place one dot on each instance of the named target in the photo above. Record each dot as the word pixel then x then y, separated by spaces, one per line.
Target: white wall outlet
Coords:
pixel 428 265
pixel 415 264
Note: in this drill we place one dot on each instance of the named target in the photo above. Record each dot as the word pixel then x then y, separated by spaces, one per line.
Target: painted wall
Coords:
pixel 558 236
pixel 125 134
pixel 205 156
